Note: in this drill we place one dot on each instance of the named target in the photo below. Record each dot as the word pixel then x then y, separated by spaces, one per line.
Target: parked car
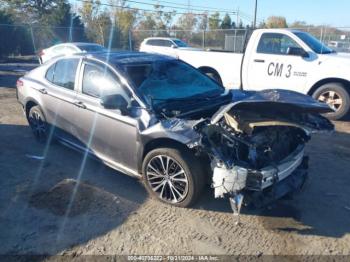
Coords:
pixel 276 58
pixel 158 118
pixel 68 48
pixel 164 45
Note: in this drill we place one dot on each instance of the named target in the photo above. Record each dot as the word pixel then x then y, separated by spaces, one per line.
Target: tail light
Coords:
pixel 19 83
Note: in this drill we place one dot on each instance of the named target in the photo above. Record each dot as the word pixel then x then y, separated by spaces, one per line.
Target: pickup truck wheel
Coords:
pixel 336 96
pixel 173 176
pixel 37 123
pixel 212 74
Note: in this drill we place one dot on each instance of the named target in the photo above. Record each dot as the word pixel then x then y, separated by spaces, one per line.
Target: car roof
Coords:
pixel 162 38
pixel 75 44
pixel 126 57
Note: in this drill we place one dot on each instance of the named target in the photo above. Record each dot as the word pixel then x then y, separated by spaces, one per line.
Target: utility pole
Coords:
pixel 255 10
pixel 237 17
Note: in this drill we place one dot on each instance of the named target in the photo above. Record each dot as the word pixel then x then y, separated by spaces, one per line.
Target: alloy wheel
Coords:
pixel 167 178
pixel 332 98
pixel 38 125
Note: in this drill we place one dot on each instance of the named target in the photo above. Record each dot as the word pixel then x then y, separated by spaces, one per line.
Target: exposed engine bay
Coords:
pixel 252 151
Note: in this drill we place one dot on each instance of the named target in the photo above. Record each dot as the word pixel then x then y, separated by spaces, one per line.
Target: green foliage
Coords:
pixel 276 22
pixel 214 21
pixel 226 22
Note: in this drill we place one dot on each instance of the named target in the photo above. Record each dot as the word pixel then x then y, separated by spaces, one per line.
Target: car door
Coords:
pixel 106 132
pixel 271 66
pixel 59 95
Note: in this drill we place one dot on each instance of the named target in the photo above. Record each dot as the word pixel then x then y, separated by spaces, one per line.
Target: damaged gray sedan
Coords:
pixel 162 120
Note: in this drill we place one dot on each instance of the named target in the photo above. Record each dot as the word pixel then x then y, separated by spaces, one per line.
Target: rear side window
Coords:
pixel 63 72
pixel 50 73
pixel 274 43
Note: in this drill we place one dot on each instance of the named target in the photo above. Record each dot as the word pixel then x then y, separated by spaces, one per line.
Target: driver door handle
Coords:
pixel 43 91
pixel 259 60
pixel 79 104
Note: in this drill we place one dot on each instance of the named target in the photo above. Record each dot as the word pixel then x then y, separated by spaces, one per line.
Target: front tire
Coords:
pixel 336 96
pixel 173 176
pixel 38 124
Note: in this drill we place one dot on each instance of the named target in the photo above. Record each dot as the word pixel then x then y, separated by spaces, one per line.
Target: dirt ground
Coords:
pixel 112 213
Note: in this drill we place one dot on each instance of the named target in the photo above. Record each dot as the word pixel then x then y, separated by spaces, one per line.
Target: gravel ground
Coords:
pixel 112 213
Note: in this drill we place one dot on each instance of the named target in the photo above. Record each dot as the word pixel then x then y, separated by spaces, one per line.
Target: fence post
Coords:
pixel 130 40
pixel 32 34
pixel 203 39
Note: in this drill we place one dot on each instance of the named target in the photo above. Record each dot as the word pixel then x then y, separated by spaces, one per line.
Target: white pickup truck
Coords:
pixel 273 58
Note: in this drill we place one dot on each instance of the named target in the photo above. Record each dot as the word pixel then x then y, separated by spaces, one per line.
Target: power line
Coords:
pixel 177 7
pixel 196 6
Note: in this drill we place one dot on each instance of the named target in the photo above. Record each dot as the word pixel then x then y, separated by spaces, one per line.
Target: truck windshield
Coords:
pixel 314 43
pixel 179 43
pixel 171 80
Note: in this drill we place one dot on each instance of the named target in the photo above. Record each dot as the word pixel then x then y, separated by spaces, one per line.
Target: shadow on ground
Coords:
pixel 39 214
pixel 43 208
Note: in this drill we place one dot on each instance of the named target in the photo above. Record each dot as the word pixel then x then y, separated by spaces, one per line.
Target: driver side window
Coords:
pixel 99 81
pixel 277 44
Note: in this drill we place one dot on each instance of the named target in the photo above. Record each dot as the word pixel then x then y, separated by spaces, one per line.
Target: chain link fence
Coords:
pixel 28 39
pixel 233 40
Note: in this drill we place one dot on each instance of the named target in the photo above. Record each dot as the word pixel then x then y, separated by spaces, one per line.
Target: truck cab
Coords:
pixel 295 60
pixel 276 59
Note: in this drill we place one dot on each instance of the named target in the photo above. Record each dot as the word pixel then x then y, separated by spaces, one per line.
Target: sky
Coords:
pixel 317 12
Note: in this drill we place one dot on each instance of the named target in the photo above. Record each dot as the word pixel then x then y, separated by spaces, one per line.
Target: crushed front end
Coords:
pixel 257 150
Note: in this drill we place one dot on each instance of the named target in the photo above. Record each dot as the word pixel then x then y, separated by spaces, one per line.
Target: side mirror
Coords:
pixel 297 51
pixel 115 102
pixel 173 46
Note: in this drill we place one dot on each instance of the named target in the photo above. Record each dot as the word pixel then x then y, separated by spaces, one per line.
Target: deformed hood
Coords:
pixel 279 101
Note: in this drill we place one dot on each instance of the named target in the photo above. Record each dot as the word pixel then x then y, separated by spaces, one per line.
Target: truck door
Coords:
pixel 274 65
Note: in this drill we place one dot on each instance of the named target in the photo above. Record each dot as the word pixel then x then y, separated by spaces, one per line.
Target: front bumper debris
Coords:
pixel 235 179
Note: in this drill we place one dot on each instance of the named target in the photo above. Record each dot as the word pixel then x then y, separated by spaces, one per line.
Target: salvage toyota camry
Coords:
pixel 162 120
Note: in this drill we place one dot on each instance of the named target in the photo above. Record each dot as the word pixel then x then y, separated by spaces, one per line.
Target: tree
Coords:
pixel 46 19
pixel 299 24
pixel 187 21
pixel 69 26
pixel 276 22
pixel 226 22
pixel 124 21
pixel 97 22
pixel 203 22
pixel 214 21
pixel 262 24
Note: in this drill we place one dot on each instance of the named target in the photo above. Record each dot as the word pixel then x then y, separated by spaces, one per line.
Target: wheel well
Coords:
pixel 158 143
pixel 29 105
pixel 346 84
pixel 208 69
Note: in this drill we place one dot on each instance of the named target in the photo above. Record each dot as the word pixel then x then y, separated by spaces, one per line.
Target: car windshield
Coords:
pixel 171 80
pixel 314 43
pixel 91 48
pixel 179 43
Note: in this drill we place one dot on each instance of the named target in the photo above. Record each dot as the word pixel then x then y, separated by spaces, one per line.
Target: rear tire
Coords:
pixel 178 181
pixel 38 124
pixel 336 96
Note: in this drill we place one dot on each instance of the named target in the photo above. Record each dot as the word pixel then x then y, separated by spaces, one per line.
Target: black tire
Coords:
pixel 212 74
pixel 192 172
pixel 38 124
pixel 339 91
